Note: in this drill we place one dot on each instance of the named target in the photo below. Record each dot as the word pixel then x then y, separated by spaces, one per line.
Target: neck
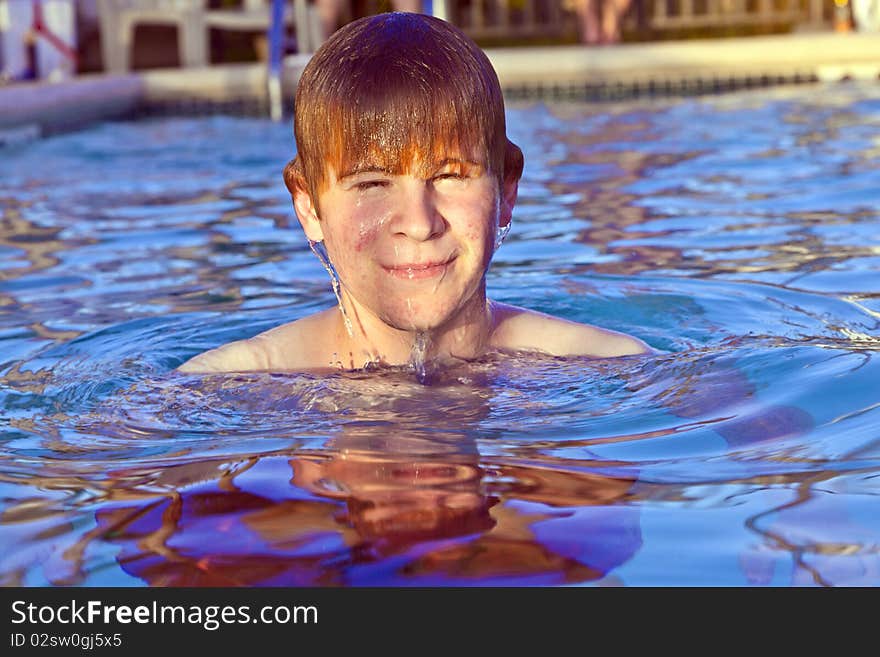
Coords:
pixel 465 337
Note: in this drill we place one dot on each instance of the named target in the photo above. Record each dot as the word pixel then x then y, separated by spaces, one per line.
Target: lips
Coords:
pixel 418 270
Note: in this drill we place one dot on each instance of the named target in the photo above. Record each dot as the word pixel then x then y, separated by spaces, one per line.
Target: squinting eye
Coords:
pixel 449 176
pixel 371 184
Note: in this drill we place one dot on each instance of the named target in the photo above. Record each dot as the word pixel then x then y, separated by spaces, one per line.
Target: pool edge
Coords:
pixel 670 68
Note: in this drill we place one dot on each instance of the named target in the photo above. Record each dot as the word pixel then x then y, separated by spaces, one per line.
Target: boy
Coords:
pixel 405 181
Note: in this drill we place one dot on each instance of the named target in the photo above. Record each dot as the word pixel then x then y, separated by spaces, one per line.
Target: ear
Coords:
pixel 306 211
pixel 508 199
pixel 513 167
pixel 307 215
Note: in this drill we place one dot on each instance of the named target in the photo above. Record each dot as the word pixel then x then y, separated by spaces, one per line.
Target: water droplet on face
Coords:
pixel 500 234
pixel 320 250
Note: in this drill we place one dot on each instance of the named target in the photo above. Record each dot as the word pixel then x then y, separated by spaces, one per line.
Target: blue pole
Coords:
pixel 276 51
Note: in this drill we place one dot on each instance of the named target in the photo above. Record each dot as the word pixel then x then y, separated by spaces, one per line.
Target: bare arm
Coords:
pixel 711 387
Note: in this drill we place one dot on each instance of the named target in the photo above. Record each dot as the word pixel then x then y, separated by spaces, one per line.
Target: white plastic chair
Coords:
pixel 193 19
pixel 866 15
pixel 16 22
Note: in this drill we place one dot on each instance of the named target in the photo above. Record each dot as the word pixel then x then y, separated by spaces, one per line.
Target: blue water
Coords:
pixel 738 234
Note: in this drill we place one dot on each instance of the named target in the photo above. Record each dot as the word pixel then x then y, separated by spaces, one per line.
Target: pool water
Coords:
pixel 739 235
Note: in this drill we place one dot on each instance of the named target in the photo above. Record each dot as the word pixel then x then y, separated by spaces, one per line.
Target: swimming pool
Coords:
pixel 738 234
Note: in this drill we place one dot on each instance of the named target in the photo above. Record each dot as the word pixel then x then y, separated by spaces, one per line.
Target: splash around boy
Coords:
pixel 405 181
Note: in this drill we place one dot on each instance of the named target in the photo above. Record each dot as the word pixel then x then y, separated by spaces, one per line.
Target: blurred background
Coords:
pixel 52 39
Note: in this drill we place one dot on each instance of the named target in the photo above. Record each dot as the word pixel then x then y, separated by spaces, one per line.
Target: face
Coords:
pixel 412 248
pixel 390 495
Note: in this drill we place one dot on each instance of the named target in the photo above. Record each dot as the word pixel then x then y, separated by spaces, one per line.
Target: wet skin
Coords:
pixel 411 250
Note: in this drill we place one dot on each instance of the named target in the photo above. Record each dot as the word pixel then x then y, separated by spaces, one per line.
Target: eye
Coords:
pixel 371 184
pixel 449 176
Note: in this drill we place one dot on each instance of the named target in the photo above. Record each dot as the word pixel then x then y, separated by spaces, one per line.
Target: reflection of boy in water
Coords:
pixel 371 510
pixel 437 513
pixel 390 499
pixel 394 495
pixel 406 179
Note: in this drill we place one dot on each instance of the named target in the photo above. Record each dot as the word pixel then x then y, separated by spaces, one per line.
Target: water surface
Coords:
pixel 736 234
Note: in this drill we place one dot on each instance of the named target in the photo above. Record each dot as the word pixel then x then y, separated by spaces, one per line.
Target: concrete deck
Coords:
pixel 673 65
pixel 822 56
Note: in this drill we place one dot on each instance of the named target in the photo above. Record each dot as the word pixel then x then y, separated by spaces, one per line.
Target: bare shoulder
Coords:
pixel 521 329
pixel 292 346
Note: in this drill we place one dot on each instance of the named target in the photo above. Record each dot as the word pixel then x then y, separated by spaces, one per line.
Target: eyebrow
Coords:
pixel 458 160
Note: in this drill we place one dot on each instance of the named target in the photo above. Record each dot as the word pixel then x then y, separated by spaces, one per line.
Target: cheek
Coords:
pixel 355 235
pixel 479 226
pixel 365 236
pixel 367 225
pixel 477 233
pixel 480 218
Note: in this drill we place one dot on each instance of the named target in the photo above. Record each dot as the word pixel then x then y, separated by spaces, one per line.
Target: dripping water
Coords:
pixel 500 234
pixel 320 250
pixel 419 356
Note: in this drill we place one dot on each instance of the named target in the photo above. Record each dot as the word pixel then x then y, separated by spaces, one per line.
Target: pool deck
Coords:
pixel 664 68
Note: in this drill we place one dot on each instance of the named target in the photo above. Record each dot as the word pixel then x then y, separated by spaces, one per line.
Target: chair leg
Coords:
pixel 13 55
pixel 301 17
pixel 193 39
pixel 112 49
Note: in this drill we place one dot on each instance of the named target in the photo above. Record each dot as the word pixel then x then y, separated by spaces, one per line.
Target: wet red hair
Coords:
pixel 398 91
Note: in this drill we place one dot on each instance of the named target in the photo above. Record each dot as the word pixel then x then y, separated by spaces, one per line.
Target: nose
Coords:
pixel 418 217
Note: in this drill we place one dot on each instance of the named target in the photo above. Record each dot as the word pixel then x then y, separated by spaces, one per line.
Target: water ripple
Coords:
pixel 737 235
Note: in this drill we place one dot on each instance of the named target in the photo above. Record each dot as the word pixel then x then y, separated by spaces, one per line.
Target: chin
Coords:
pixel 414 326
pixel 420 322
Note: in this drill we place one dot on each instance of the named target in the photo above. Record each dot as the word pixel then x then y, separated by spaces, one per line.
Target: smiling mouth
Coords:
pixel 418 271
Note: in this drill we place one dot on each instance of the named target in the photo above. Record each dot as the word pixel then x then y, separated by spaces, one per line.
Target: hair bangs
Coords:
pixel 399 92
pixel 409 127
